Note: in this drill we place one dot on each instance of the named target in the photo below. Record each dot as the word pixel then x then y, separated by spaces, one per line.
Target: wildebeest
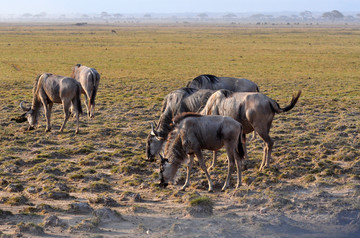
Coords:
pixel 193 133
pixel 176 102
pixel 255 111
pixel 207 81
pixel 49 89
pixel 89 79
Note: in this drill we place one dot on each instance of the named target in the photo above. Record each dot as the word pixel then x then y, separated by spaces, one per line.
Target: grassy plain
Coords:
pixel 312 185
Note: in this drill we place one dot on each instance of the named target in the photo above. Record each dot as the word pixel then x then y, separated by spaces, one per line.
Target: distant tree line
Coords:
pixel 305 15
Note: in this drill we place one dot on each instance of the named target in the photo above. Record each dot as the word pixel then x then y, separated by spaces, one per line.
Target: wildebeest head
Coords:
pixel 153 144
pixel 29 116
pixel 75 68
pixel 163 166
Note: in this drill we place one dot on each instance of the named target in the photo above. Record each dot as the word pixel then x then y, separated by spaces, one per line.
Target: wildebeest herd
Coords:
pixel 49 89
pixel 208 114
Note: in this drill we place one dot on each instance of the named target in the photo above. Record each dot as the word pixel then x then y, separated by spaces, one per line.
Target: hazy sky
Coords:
pixel 173 6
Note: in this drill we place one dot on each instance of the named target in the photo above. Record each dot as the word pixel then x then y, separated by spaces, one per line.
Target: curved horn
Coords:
pixel 153 132
pixel 23 107
pixel 162 159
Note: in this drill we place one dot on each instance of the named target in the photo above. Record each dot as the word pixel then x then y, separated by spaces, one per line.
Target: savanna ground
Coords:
pixel 58 184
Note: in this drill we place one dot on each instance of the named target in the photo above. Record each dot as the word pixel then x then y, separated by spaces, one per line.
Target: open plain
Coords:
pixel 98 184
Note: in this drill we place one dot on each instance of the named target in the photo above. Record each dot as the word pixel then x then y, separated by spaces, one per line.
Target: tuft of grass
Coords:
pixel 98 187
pixel 201 201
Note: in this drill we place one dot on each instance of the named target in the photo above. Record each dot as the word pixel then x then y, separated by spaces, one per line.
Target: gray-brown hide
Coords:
pixel 89 79
pixel 255 111
pixel 176 102
pixel 192 134
pixel 49 89
pixel 212 82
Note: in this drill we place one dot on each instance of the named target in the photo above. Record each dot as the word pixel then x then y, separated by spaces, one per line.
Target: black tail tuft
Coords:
pixel 240 147
pixel 78 101
pixel 293 102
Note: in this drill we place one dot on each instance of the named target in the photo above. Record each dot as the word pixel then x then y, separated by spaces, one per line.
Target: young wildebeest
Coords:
pixel 254 111
pixel 212 82
pixel 49 89
pixel 193 133
pixel 89 79
pixel 176 102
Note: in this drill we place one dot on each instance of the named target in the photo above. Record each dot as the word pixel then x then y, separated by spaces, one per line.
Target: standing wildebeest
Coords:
pixel 255 111
pixel 195 132
pixel 208 81
pixel 49 89
pixel 176 102
pixel 89 79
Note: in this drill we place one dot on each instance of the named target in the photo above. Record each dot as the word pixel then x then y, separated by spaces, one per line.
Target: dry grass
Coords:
pixel 316 144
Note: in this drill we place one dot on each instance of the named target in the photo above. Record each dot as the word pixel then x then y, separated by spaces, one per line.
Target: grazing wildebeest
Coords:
pixel 255 111
pixel 49 89
pixel 89 79
pixel 207 81
pixel 195 132
pixel 176 102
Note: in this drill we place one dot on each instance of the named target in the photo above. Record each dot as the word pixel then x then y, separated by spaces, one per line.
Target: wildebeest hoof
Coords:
pixel 30 128
pixel 47 130
pixel 210 190
pixel 77 132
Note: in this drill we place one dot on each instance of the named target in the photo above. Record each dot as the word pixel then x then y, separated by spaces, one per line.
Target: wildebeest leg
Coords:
pixel 230 158
pixel 77 121
pixel 47 111
pixel 254 136
pixel 75 105
pixel 213 162
pixel 245 150
pixel 87 104
pixel 66 106
pixel 267 149
pixel 92 103
pixel 238 168
pixel 203 167
pixel 188 169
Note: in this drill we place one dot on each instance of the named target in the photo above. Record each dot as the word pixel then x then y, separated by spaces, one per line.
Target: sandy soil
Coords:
pixel 308 212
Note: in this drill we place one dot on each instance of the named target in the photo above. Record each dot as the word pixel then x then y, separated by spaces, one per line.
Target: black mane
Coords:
pixel 184 115
pixel 226 93
pixel 175 107
pixel 206 77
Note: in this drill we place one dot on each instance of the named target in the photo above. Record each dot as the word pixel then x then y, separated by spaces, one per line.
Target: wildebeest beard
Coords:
pixel 174 149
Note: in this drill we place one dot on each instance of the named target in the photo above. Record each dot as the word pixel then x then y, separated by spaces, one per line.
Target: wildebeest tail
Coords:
pixel 94 89
pixel 275 106
pixel 78 100
pixel 240 147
